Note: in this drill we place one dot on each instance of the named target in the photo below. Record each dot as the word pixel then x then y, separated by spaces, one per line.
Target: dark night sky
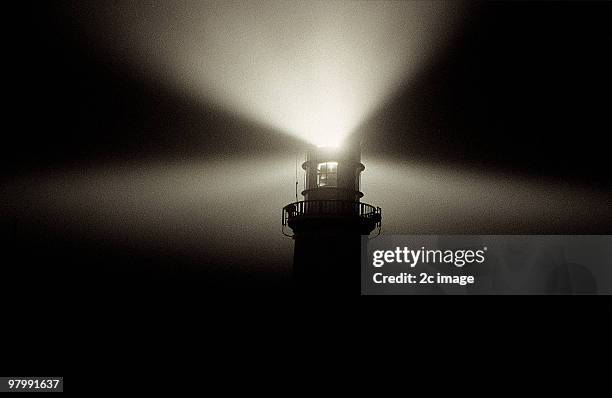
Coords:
pixel 521 89
pixel 524 88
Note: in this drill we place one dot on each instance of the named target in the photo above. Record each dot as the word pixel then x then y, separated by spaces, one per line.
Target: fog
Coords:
pixel 315 70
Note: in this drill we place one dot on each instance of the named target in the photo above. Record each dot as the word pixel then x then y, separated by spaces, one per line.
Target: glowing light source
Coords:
pixel 327 174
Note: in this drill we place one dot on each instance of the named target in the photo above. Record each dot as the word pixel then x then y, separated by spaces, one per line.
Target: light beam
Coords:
pixel 312 69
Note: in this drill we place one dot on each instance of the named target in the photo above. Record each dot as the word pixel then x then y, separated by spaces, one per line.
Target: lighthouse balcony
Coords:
pixel 315 209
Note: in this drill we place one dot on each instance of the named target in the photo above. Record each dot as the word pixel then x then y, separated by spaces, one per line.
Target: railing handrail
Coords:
pixel 328 207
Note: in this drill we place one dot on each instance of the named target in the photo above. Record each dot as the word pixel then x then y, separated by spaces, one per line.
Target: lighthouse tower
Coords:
pixel 328 224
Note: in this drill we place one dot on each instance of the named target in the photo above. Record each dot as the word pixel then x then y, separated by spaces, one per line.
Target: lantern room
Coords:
pixel 333 174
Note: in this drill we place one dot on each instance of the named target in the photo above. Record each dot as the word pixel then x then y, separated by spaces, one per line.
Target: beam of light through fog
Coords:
pixel 314 69
pixel 229 211
pixel 421 199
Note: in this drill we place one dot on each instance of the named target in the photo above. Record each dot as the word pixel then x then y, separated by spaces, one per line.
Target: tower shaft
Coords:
pixel 329 223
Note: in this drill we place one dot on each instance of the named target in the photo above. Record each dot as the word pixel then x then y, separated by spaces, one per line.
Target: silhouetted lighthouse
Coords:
pixel 328 224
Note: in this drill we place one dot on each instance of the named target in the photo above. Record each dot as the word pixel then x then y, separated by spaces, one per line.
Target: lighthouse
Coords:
pixel 328 225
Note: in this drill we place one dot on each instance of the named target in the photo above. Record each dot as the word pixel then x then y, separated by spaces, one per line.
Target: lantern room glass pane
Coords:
pixel 327 174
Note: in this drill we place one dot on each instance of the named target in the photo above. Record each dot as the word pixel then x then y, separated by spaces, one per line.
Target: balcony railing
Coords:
pixel 314 208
